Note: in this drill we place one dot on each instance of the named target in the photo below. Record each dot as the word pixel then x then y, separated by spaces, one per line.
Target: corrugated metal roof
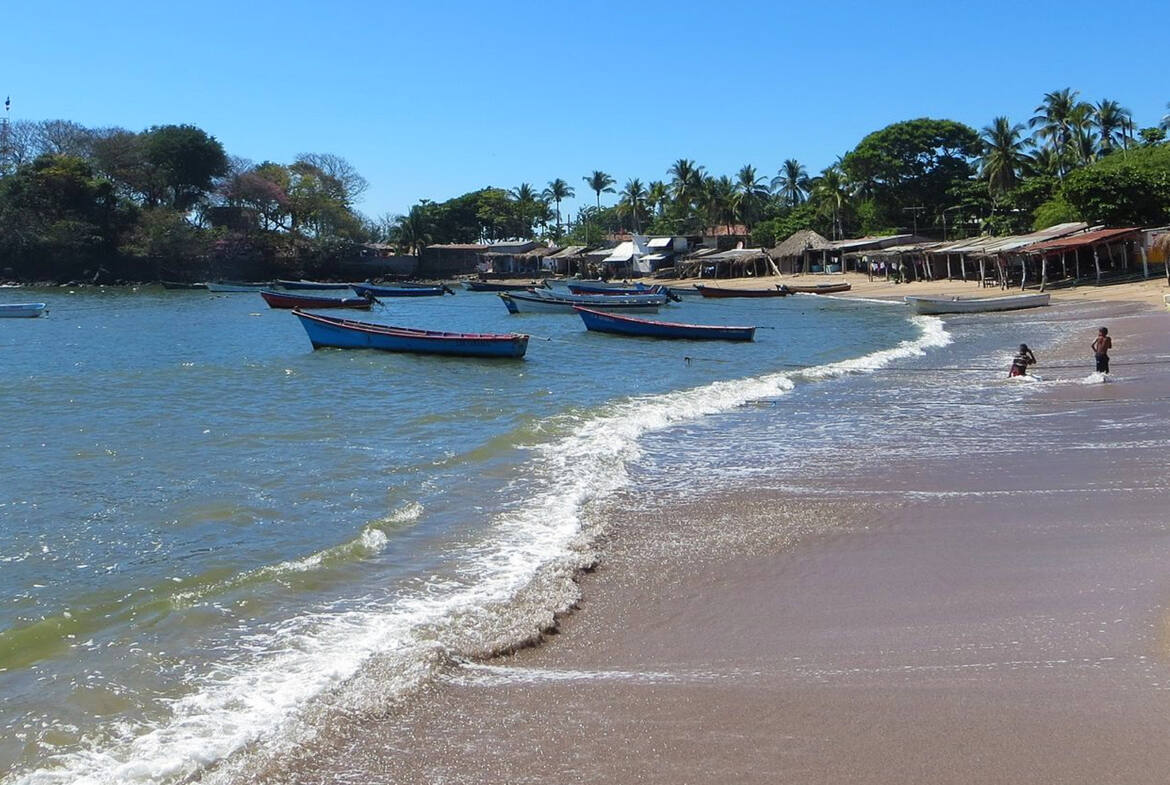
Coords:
pixel 572 250
pixel 1017 241
pixel 1083 240
pixel 862 242
pixel 660 242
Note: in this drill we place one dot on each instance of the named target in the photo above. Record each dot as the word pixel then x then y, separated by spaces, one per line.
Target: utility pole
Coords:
pixel 915 211
pixel 4 137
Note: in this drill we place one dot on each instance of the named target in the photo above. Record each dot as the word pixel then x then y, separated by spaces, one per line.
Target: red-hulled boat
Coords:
pixel 287 300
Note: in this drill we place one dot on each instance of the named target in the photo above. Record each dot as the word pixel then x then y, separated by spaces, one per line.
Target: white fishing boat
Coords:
pixel 941 305
pixel 21 310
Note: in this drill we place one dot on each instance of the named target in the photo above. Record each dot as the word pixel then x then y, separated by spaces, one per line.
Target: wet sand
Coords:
pixel 986 618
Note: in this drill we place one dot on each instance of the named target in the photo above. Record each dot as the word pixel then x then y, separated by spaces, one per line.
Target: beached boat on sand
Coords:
pixel 715 291
pixel 941 305
pixel 543 301
pixel 819 288
pixel 287 300
pixel 599 321
pixel 22 310
pixel 330 331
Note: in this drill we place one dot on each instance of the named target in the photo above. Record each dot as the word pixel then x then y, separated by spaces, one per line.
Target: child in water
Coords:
pixel 1021 361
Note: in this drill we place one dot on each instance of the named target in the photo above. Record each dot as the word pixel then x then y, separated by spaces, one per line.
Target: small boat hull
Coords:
pixel 619 324
pixel 715 291
pixel 944 305
pixel 820 288
pixel 22 310
pixel 329 331
pixel 613 288
pixel 489 286
pixel 288 301
pixel 311 285
pixel 401 291
pixel 226 287
pixel 539 301
pixel 182 285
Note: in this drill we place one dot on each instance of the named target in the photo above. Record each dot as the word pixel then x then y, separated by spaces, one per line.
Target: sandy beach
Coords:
pixel 995 615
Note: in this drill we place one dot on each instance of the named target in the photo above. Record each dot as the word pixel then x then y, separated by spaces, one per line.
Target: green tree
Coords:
pixel 1131 190
pixel 558 190
pixel 185 161
pixel 1054 121
pixel 751 193
pixel 1004 158
pixel 791 182
pixel 632 202
pixel 528 208
pixel 1111 119
pixel 1152 136
pixel 412 231
pixel 599 182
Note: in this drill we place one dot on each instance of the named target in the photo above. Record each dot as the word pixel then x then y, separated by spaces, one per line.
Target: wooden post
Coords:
pixel 1097 263
pixel 1002 271
pixel 1043 271
pixel 982 273
pixel 949 278
pixel 1077 257
pixel 1023 271
pixel 1145 263
pixel 963 265
pixel 1112 264
pixel 1063 265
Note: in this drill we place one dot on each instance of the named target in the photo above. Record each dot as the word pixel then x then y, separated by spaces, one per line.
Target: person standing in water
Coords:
pixel 1101 347
pixel 1021 361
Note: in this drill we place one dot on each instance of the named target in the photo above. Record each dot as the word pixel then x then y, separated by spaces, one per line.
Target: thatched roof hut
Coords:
pixel 793 254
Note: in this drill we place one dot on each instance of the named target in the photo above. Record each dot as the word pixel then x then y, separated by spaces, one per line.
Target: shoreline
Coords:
pixel 870 634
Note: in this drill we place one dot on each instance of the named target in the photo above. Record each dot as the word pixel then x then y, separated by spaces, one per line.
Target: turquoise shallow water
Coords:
pixel 205 525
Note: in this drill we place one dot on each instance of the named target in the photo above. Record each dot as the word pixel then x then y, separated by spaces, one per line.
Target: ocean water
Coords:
pixel 215 541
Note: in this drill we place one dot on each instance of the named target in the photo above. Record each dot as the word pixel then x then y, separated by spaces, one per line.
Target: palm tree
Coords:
pixel 557 190
pixel 1165 124
pixel 1054 118
pixel 599 182
pixel 1110 118
pixel 412 231
pixel 719 200
pixel 657 196
pixel 791 182
pixel 1004 158
pixel 633 202
pixel 830 191
pixel 1044 161
pixel 750 192
pixel 526 199
pixel 1082 141
pixel 686 181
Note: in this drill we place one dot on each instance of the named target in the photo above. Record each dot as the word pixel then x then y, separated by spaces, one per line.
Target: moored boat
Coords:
pixel 941 305
pixel 286 300
pixel 616 288
pixel 237 286
pixel 600 321
pixel 312 285
pixel 402 290
pixel 717 291
pixel 542 301
pixel 820 288
pixel 22 310
pixel 182 285
pixel 492 286
pixel 329 331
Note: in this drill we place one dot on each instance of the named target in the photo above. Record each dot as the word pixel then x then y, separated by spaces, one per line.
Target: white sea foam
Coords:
pixel 273 676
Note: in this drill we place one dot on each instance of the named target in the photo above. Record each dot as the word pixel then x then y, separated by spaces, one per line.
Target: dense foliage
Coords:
pixel 104 204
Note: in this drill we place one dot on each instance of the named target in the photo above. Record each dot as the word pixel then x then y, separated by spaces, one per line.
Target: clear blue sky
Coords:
pixel 433 99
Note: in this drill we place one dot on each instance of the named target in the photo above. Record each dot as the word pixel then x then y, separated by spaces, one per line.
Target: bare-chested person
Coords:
pixel 1101 347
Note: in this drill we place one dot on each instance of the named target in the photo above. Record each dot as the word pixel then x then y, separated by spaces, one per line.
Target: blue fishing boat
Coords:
pixel 348 334
pixel 492 286
pixel 599 321
pixel 402 290
pixel 22 310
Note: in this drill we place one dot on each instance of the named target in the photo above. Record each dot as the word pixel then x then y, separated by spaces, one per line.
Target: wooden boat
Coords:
pixel 715 291
pixel 820 288
pixel 237 286
pixel 312 285
pixel 491 286
pixel 616 288
pixel 22 310
pixel 541 301
pixel 348 334
pixel 182 285
pixel 599 321
pixel 940 305
pixel 286 300
pixel 402 290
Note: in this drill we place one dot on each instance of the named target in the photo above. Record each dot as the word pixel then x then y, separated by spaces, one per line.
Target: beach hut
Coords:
pixel 795 255
pixel 1112 251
